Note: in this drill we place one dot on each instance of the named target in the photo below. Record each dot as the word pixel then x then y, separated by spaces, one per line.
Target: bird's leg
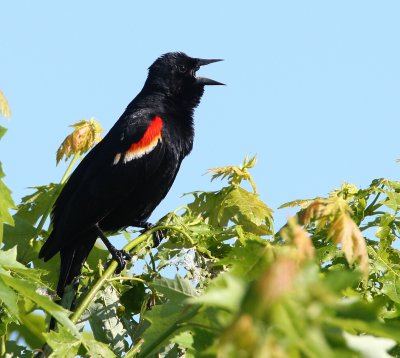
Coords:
pixel 118 255
pixel 75 285
pixel 157 235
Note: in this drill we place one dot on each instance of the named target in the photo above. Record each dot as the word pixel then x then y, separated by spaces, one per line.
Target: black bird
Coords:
pixel 125 176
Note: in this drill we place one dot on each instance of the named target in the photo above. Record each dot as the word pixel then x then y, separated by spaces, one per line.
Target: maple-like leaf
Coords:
pixel 277 280
pixel 314 211
pixel 85 136
pixel 236 174
pixel 295 233
pixel 345 232
pixel 5 110
pixel 303 243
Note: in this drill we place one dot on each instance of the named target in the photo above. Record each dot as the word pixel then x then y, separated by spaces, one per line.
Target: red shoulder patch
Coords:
pixel 146 144
pixel 152 134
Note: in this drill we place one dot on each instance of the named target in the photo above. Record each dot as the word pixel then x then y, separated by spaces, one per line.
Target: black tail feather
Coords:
pixel 72 259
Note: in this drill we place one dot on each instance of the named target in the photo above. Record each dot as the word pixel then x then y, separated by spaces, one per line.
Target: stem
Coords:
pixel 55 195
pixel 70 166
pixel 3 345
pixel 367 226
pixel 153 263
pixel 134 350
pixel 198 325
pixel 125 278
pixel 252 183
pixel 106 276
pixel 92 293
pixel 174 228
pixel 370 208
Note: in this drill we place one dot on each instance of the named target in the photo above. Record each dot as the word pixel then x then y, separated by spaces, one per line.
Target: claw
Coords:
pixel 120 256
pixel 127 256
pixel 158 236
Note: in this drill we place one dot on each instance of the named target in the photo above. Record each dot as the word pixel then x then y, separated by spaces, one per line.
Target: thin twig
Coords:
pixel 125 278
pixel 134 350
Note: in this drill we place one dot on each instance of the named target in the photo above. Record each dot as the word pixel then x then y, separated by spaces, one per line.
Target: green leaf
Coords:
pixel 226 292
pixel 6 203
pixel 2 132
pixel 21 234
pixel 236 174
pixel 65 344
pixel 26 284
pixel 34 205
pixel 175 290
pixel 388 330
pixel 195 341
pixel 233 204
pixel 245 209
pixel 248 260
pixel 6 320
pixel 97 349
pixel 8 261
pixel 384 228
pixel 27 289
pixel 392 201
pixel 9 298
pixel 391 285
pixel 303 203
pixel 104 321
pixel 132 299
pixel 13 349
pixel 166 318
pixel 31 328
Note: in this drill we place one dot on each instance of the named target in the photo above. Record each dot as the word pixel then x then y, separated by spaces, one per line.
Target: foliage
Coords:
pixel 85 135
pixel 5 110
pixel 324 285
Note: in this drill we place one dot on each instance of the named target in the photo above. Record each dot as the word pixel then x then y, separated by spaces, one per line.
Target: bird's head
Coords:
pixel 175 73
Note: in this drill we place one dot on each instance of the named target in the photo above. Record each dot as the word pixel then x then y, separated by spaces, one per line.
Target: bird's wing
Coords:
pixel 127 156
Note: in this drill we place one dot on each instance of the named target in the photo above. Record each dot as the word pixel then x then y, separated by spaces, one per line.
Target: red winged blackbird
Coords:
pixel 125 176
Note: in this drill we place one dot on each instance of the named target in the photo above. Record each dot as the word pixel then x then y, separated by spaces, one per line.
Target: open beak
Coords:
pixel 207 81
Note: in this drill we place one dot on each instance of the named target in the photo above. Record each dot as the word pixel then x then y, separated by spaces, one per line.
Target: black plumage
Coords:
pixel 124 177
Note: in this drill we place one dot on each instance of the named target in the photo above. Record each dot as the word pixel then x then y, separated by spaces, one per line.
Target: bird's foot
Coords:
pixel 118 255
pixel 121 256
pixel 158 236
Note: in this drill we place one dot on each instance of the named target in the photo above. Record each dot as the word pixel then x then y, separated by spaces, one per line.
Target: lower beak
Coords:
pixel 207 81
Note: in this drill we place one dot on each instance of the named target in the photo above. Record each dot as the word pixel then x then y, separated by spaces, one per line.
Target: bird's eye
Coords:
pixel 182 68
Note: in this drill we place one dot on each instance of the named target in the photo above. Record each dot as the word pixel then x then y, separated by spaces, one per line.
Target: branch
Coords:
pixel 106 275
pixel 113 266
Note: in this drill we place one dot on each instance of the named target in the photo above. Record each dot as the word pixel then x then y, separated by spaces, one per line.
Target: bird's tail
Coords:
pixel 73 257
pixel 72 260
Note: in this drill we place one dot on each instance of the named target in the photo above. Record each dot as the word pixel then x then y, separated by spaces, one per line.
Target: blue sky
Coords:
pixel 313 87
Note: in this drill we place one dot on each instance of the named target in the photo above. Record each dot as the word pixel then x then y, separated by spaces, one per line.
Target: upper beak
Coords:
pixel 204 80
